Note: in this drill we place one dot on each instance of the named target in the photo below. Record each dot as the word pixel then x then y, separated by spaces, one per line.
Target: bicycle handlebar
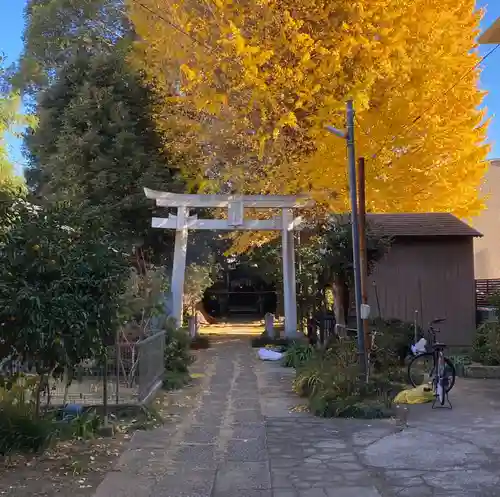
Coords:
pixel 437 321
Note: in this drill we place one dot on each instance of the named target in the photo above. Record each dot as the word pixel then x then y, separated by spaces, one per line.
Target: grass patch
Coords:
pixel 22 431
pixel 296 354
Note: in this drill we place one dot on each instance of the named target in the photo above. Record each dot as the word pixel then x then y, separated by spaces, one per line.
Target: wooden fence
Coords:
pixel 485 290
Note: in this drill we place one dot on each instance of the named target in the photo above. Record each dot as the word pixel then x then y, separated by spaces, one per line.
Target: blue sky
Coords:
pixel 11 26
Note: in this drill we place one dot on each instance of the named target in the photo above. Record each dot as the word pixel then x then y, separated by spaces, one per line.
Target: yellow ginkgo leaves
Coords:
pixel 261 79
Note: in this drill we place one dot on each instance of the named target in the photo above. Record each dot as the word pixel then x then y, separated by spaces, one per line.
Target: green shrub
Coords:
pixel 85 426
pixel 296 354
pixel 20 428
pixel 327 369
pixel 19 390
pixel 331 381
pixel 175 380
pixel 82 426
pixel 351 407
pixel 460 362
pixel 21 431
pixel 177 349
pixel 460 359
pixel 486 346
pixel 392 341
pixel 494 301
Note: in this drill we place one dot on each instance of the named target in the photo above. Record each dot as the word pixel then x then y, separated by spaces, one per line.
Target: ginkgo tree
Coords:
pixel 253 83
pixel 12 186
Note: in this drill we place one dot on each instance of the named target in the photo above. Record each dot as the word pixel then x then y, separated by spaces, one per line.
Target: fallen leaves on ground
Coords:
pixel 70 468
pixel 75 468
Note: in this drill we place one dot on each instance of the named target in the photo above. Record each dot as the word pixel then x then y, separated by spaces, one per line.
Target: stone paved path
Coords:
pixel 235 436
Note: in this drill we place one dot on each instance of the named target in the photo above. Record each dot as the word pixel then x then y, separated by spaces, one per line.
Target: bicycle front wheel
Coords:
pixel 421 370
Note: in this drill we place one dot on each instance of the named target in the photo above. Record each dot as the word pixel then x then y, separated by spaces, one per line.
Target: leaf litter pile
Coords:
pixel 77 467
pixel 70 468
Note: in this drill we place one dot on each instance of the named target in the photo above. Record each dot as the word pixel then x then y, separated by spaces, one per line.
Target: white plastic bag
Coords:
pixel 269 355
pixel 420 347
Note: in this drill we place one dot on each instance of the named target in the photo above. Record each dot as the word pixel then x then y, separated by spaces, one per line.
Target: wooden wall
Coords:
pixel 432 276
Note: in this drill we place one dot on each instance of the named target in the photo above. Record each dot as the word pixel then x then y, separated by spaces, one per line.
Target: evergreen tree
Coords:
pixel 96 145
pixel 55 30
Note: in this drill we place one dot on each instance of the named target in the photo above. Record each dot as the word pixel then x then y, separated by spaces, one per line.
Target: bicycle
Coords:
pixel 442 372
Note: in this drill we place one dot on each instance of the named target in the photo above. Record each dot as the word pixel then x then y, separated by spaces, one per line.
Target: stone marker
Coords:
pixel 193 326
pixel 269 324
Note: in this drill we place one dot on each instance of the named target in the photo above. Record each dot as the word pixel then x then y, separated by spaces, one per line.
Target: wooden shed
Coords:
pixel 428 273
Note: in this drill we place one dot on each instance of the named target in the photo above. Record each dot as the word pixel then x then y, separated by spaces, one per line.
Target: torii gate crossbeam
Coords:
pixel 235 204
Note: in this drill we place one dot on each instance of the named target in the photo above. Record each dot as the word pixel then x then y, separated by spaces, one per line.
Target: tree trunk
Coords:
pixel 67 383
pixel 279 304
pixel 347 301
pixel 68 380
pixel 339 300
pixel 39 389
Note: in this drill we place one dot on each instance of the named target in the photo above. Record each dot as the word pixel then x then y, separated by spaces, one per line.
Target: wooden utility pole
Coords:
pixel 362 247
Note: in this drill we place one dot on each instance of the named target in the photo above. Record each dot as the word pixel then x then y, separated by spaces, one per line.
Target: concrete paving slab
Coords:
pixel 236 476
pixel 119 484
pixel 353 492
pixel 247 493
pixel 248 450
pixel 420 450
pixel 185 483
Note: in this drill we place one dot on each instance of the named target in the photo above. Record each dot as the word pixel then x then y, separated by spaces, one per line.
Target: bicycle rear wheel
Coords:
pixel 421 370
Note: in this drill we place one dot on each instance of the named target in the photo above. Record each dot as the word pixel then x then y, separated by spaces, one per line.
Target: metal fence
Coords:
pixel 132 374
pixel 151 365
pixel 321 327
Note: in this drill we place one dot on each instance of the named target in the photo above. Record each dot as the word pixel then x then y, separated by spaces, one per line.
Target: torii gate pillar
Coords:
pixel 235 204
pixel 289 282
pixel 179 266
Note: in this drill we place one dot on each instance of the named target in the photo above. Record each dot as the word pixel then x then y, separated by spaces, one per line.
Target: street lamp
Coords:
pixel 491 35
pixel 348 135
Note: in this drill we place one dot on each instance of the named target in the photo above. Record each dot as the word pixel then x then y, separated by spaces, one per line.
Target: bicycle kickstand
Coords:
pixel 438 406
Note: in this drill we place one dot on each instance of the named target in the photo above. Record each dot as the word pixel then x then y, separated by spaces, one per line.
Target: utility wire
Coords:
pixel 420 147
pixel 393 87
pixel 409 127
pixel 173 25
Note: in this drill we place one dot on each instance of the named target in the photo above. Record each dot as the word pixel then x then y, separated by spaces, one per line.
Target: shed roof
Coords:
pixel 491 35
pixel 421 224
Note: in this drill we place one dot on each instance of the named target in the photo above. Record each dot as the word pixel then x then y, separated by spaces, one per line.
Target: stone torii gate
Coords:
pixel 235 205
